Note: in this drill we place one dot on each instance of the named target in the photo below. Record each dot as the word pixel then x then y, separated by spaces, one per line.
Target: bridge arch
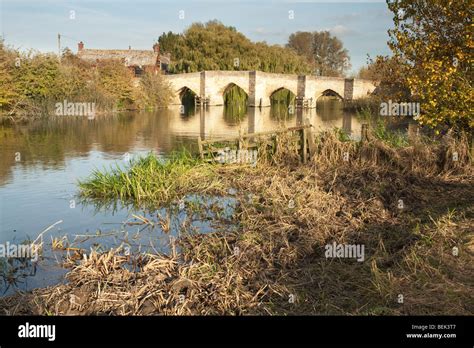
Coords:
pixel 231 84
pixel 234 94
pixel 185 89
pixel 217 82
pixel 330 93
pixel 177 82
pixel 282 95
pixel 186 95
pixel 273 89
pixel 328 103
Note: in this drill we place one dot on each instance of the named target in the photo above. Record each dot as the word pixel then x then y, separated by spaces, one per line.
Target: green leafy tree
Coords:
pixel 214 46
pixel 115 81
pixel 8 93
pixel 153 91
pixel 36 76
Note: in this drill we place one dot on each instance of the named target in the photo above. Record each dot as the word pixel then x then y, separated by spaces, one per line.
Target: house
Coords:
pixel 138 61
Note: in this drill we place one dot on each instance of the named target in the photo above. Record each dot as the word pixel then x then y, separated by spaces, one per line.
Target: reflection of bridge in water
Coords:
pixel 259 86
pixel 212 122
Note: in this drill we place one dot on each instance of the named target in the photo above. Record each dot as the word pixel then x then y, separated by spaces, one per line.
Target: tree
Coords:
pixel 168 41
pixel 302 43
pixel 8 93
pixel 433 41
pixel 154 91
pixel 214 46
pixel 115 82
pixel 388 73
pixel 324 52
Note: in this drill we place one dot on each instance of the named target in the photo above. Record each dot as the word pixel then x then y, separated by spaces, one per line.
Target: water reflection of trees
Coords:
pixel 49 142
pixel 235 104
pixel 329 108
pixel 283 107
pixel 282 112
pixel 188 106
pixel 235 113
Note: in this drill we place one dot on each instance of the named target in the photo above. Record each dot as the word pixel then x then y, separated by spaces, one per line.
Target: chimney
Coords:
pixel 156 48
pixel 80 46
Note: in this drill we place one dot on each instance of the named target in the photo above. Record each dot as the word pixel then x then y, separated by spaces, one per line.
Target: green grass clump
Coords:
pixel 391 137
pixel 381 131
pixel 151 179
pixel 341 134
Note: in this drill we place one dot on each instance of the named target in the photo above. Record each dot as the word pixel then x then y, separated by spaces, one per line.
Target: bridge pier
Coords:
pixel 257 95
pixel 348 89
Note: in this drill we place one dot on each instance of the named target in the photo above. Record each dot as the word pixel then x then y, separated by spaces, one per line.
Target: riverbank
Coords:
pixel 410 207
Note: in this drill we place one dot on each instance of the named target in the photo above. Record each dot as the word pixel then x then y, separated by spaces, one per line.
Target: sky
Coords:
pixel 34 24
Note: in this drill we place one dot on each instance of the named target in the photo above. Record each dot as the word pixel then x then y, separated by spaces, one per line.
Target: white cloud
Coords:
pixel 340 30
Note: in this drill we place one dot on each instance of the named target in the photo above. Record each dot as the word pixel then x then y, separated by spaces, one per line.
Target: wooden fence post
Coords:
pixel 413 131
pixel 304 144
pixel 311 142
pixel 240 144
pixel 201 153
pixel 275 143
pixel 364 132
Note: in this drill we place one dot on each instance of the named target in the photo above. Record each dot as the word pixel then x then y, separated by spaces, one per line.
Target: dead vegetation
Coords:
pixel 275 262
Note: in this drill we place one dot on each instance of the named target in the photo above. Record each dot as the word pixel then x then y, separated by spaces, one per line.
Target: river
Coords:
pixel 41 162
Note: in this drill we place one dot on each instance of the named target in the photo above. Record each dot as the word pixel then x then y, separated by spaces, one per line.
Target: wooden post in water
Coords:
pixel 311 142
pixel 201 153
pixel 413 131
pixel 364 137
pixel 275 143
pixel 304 144
pixel 364 132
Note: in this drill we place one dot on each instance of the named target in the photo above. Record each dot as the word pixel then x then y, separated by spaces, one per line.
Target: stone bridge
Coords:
pixel 260 86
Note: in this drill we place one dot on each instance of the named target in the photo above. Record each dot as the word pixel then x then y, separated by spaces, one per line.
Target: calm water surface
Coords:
pixel 41 162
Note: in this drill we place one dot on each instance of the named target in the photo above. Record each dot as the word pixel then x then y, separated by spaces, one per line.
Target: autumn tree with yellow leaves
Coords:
pixel 433 41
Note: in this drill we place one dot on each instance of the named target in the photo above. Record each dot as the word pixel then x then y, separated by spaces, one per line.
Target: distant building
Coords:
pixel 138 61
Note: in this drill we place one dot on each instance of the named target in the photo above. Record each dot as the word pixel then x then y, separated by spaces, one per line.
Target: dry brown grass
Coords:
pixel 278 250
